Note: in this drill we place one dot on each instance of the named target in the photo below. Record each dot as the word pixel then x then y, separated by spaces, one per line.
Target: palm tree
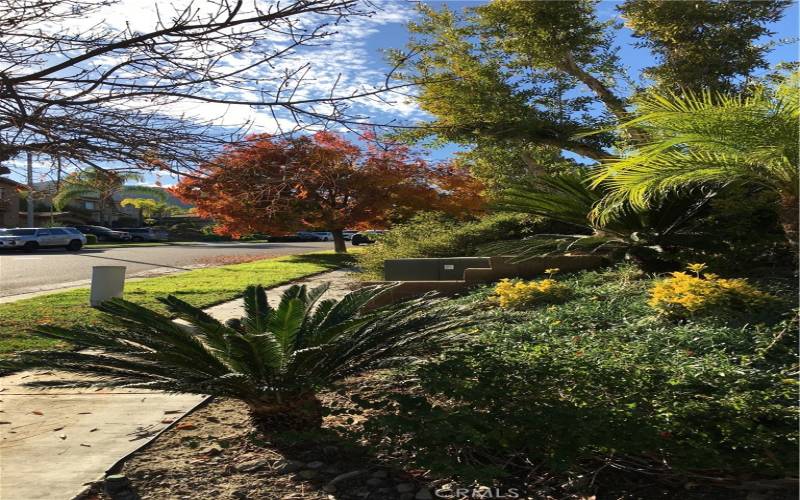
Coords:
pixel 151 209
pixel 104 184
pixel 273 359
pixel 644 235
pixel 709 139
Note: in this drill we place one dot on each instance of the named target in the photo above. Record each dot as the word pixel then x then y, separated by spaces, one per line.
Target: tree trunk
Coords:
pixel 338 241
pixel 299 413
pixel 788 216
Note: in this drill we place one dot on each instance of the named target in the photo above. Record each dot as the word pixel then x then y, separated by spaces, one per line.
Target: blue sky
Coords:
pixel 355 58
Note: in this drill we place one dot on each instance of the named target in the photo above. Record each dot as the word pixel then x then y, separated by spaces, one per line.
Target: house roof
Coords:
pixel 9 182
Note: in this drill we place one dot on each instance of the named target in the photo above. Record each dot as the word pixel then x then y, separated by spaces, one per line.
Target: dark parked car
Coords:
pixel 146 233
pixel 365 237
pixel 104 233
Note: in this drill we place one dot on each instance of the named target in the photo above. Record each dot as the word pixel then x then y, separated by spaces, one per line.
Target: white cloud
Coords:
pixel 346 60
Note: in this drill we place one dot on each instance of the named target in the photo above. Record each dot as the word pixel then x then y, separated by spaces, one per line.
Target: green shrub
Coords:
pixel 434 234
pixel 602 376
pixel 91 239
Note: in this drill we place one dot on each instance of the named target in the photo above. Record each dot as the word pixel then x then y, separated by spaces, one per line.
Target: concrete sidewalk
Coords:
pixel 56 441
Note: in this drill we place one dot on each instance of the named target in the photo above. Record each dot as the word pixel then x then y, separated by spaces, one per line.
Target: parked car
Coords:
pixel 366 237
pixel 308 236
pixel 146 233
pixel 30 239
pixel 104 233
pixel 323 235
pixel 348 235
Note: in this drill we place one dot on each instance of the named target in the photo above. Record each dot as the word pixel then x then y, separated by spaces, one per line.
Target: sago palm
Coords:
pixel 273 359
pixel 641 234
pixel 709 139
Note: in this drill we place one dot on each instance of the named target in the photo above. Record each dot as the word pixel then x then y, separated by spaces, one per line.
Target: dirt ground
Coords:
pixel 216 453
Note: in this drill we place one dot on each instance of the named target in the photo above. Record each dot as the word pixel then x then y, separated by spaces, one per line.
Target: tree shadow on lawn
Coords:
pixel 328 260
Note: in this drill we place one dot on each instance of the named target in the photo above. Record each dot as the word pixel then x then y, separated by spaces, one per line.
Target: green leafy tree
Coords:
pixel 531 77
pixel 709 139
pixel 151 209
pixel 104 185
pixel 703 44
pixel 273 359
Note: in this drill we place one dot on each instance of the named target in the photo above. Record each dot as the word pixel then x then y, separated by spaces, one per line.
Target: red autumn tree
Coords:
pixel 323 181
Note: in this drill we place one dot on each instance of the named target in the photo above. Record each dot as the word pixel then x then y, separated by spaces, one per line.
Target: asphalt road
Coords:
pixel 49 269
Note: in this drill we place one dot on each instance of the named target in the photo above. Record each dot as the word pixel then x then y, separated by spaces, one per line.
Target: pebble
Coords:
pixel 308 474
pixel 288 466
pixel 346 476
pixel 116 483
pixel 329 488
pixel 423 494
pixel 406 487
pixel 331 470
pixel 315 465
pixel 212 451
pixel 252 465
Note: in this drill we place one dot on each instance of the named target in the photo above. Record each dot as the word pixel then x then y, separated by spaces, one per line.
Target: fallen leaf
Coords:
pixel 3 422
pixel 185 427
pixel 62 436
pixel 95 429
pixel 171 412
pixel 58 428
pixel 167 420
pixel 37 412
pixel 85 413
pixel 86 445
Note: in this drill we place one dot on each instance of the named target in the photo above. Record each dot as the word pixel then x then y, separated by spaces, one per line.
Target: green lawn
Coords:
pixel 202 287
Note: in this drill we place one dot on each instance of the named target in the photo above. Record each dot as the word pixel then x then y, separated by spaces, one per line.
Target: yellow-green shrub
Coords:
pixel 684 295
pixel 515 294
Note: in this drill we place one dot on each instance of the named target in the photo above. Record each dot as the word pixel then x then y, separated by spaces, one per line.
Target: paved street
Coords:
pixel 56 268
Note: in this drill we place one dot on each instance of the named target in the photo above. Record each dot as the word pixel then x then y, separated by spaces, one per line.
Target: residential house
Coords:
pixel 86 209
pixel 9 202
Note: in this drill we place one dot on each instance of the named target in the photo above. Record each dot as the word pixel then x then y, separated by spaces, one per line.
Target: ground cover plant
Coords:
pixel 602 383
pixel 200 288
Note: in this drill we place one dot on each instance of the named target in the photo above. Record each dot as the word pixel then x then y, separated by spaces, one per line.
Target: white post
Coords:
pixel 107 282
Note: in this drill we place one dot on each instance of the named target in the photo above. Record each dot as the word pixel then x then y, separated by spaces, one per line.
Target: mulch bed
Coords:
pixel 215 453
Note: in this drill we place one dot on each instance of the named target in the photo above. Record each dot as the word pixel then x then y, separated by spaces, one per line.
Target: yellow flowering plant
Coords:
pixel 516 294
pixel 683 295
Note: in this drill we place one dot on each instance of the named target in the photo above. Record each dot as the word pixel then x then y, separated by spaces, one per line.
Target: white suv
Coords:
pixel 33 238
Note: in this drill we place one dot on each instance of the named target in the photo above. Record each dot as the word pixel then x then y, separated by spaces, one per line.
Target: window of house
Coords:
pixel 89 205
pixel 2 192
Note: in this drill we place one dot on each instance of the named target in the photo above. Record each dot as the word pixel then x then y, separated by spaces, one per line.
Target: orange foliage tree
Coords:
pixel 280 185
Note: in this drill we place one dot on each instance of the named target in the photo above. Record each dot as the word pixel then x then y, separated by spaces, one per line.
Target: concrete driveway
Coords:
pixel 49 269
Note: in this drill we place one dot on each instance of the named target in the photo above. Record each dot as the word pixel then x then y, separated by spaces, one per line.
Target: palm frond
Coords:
pixel 705 139
pixel 566 198
pixel 150 191
pixel 277 354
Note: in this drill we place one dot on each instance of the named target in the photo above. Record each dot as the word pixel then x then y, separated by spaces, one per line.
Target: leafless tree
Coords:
pixel 99 94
